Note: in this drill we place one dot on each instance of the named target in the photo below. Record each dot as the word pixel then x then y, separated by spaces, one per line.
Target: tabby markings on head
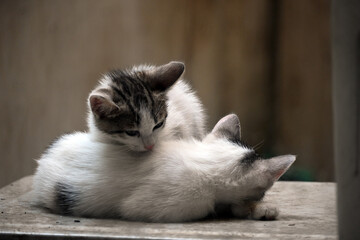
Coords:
pixel 133 103
pixel 135 93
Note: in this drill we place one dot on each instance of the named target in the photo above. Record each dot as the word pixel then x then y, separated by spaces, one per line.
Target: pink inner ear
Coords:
pixel 280 164
pixel 95 102
pixel 279 173
pixel 100 106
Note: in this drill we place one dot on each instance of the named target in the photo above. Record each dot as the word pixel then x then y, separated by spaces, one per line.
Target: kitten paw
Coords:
pixel 265 212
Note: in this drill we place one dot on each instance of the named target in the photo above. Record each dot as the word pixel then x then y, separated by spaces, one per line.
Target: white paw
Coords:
pixel 265 212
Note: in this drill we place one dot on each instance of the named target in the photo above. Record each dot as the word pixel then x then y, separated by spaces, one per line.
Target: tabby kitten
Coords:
pixel 138 106
pixel 180 180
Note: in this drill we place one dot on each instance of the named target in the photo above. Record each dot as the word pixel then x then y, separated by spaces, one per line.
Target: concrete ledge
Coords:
pixel 307 211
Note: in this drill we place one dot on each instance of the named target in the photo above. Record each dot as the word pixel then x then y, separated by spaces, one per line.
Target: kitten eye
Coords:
pixel 133 133
pixel 158 125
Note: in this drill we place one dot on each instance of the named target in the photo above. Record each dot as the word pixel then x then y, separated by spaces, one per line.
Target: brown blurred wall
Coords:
pixel 267 61
pixel 303 85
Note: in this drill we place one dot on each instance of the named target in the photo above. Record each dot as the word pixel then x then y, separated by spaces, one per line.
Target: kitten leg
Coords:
pixel 263 211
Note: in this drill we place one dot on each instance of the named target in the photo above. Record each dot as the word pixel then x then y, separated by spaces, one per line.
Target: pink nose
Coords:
pixel 150 147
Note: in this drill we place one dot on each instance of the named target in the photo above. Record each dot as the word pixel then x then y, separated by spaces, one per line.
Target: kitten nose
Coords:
pixel 149 147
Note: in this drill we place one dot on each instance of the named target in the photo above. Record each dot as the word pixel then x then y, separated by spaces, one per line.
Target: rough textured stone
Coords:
pixel 307 211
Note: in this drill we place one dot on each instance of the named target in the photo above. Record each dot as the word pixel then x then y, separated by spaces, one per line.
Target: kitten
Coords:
pixel 180 180
pixel 137 107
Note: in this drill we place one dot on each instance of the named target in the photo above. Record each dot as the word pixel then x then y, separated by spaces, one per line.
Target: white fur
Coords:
pixel 186 117
pixel 180 180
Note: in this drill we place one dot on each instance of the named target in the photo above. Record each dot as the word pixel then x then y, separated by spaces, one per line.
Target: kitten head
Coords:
pixel 250 173
pixel 130 106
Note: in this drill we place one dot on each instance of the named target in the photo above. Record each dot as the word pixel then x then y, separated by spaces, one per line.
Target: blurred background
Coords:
pixel 267 61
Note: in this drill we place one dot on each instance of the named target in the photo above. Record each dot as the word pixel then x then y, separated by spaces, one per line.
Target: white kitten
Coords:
pixel 180 180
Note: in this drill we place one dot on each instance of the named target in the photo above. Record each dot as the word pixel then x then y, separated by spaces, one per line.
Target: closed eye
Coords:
pixel 133 133
pixel 158 125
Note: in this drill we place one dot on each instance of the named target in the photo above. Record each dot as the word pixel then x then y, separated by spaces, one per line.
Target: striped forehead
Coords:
pixel 147 120
pixel 133 87
pixel 131 90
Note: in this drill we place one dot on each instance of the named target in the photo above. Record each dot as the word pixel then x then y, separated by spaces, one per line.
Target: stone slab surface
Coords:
pixel 307 211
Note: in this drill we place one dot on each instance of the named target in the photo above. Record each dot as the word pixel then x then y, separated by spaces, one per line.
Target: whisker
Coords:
pixel 259 145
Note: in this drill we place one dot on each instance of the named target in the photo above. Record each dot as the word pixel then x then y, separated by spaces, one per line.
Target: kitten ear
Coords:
pixel 162 77
pixel 101 106
pixel 277 166
pixel 229 127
